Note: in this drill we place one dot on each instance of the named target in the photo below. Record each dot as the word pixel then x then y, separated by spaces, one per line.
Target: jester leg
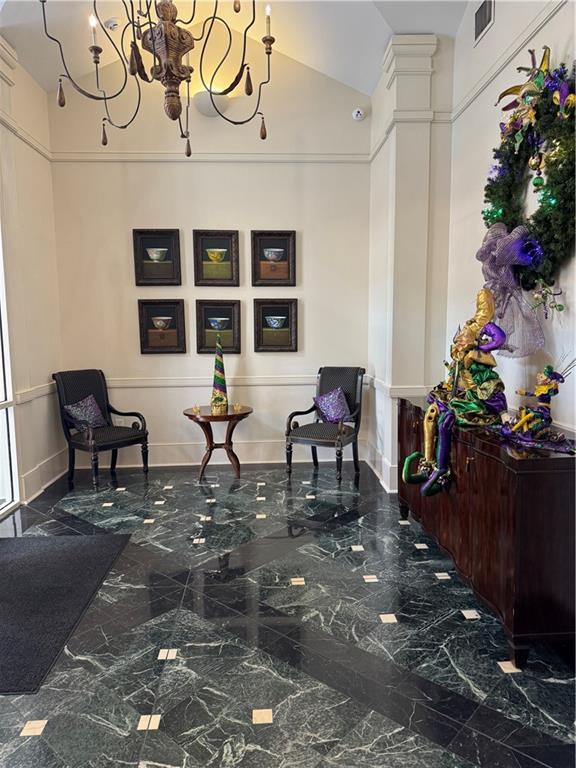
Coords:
pixel 523 423
pixel 439 477
pixel 425 460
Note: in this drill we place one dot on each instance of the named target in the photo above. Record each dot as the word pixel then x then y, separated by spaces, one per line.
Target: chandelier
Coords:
pixel 153 27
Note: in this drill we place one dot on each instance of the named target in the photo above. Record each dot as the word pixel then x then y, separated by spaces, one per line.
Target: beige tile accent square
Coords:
pixel 260 484
pixel 198 541
pixel 260 516
pixel 298 581
pixel 159 503
pixel 108 504
pixel 470 614
pixel 120 489
pixel 205 518
pixel 167 654
pixel 262 716
pixel 404 522
pixel 168 488
pixel 143 723
pixel 357 548
pixel 388 618
pixel 421 546
pixel 310 495
pixel 306 482
pixel 33 728
pixel 149 521
pixel 370 579
pixel 148 723
pixel 260 498
pixel 154 722
pixel 442 576
pixel 508 667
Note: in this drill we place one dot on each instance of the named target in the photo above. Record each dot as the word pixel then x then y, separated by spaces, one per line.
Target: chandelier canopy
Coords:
pixel 154 27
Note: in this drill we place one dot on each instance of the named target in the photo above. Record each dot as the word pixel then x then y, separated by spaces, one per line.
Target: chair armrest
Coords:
pixel 289 426
pixel 136 415
pixel 75 423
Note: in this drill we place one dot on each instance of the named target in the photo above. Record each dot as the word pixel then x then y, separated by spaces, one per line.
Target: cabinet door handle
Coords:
pixel 414 425
pixel 469 460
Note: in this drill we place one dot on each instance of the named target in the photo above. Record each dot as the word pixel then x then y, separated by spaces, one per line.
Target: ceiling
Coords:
pixel 344 39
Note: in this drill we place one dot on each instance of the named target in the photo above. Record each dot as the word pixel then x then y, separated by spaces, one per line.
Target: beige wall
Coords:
pixel 481 73
pixel 312 175
pixel 32 292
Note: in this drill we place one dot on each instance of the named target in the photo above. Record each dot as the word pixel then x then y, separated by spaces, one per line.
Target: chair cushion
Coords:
pixel 109 435
pixel 321 430
pixel 86 410
pixel 332 406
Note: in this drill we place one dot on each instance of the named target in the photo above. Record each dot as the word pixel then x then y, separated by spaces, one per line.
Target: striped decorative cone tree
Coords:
pixel 219 395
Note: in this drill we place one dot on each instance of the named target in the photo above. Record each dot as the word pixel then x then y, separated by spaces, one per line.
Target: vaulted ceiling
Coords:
pixel 344 39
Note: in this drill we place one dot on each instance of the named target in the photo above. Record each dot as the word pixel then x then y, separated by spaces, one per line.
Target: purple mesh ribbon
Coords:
pixel 499 253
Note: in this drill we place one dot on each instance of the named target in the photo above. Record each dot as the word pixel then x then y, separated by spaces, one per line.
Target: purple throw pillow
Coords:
pixel 86 410
pixel 333 406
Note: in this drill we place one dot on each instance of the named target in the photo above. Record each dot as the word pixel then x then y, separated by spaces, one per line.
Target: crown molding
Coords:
pixel 550 9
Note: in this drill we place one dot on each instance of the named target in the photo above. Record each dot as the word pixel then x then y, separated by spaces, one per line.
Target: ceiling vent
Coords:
pixel 483 19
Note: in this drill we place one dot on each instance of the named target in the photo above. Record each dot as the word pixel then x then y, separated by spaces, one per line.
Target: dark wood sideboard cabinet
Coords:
pixel 507 521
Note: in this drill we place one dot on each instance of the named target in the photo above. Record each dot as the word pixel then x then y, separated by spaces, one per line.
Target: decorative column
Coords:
pixel 402 157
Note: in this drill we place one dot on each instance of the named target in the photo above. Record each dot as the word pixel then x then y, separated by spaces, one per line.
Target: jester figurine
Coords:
pixel 534 422
pixel 471 395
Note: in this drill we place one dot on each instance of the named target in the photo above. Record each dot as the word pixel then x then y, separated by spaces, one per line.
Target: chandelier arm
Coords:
pixel 191 19
pixel 66 72
pixel 120 52
pixel 134 115
pixel 256 108
pixel 234 83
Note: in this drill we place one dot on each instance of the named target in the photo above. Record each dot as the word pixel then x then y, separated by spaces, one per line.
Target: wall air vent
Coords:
pixel 483 19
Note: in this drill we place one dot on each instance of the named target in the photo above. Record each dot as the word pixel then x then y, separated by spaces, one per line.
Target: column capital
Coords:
pixel 407 66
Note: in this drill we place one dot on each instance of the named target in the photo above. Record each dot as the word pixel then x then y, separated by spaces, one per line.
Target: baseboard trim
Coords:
pixel 36 480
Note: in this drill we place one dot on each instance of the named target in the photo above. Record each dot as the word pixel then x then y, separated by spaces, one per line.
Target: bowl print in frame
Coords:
pixel 273 257
pixel 162 326
pixel 216 259
pixel 157 256
pixel 217 318
pixel 275 325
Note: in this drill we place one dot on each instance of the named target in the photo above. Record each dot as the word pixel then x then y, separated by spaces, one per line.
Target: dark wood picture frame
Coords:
pixel 219 239
pixel 150 272
pixel 267 271
pixel 206 337
pixel 158 341
pixel 287 338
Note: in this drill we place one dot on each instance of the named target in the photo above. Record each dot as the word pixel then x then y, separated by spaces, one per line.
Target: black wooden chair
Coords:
pixel 319 433
pixel 73 386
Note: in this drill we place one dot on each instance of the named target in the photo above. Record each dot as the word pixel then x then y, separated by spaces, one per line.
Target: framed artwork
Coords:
pixel 275 325
pixel 157 256
pixel 216 257
pixel 162 327
pixel 273 258
pixel 217 318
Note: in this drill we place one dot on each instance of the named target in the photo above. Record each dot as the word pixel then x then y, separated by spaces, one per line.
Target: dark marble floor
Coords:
pixel 366 661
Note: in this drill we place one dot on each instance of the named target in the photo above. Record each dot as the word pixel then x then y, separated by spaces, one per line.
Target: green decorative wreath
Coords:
pixel 537 137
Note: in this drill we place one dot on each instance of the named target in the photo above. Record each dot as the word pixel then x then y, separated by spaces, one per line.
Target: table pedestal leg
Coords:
pixel 228 448
pixel 207 429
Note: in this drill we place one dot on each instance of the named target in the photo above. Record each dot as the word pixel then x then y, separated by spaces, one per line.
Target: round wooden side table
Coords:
pixel 204 417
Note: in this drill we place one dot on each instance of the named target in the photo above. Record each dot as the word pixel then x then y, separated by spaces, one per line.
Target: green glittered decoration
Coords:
pixel 553 223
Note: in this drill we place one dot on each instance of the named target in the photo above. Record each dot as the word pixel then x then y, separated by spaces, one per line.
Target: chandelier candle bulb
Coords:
pixel 93 21
pixel 268 15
